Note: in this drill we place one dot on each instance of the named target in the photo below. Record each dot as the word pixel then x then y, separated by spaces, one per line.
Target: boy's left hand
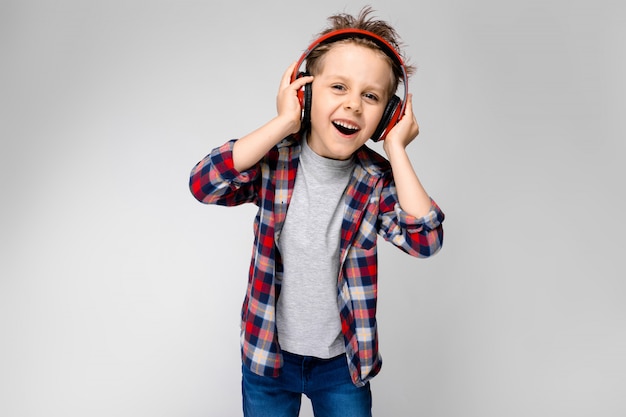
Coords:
pixel 405 130
pixel 411 194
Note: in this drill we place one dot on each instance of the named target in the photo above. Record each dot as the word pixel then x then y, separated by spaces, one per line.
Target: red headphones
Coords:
pixel 395 107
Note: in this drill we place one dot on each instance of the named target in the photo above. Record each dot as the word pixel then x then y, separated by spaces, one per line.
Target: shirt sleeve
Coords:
pixel 431 221
pixel 214 180
pixel 418 236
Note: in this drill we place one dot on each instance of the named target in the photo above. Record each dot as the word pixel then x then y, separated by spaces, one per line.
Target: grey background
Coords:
pixel 120 294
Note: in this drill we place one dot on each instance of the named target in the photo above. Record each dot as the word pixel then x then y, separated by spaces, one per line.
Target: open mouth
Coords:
pixel 346 128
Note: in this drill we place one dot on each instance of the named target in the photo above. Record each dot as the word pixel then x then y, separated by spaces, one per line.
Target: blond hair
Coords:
pixel 362 21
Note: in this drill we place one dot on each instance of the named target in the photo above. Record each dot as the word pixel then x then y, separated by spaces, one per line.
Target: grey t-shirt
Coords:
pixel 307 316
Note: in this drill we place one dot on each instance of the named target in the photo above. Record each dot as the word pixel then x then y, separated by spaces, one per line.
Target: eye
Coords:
pixel 371 97
pixel 338 87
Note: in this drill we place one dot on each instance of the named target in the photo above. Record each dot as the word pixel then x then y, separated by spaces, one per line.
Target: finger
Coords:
pixel 286 80
pixel 300 82
pixel 408 110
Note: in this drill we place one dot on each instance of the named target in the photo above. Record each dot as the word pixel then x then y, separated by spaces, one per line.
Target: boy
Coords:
pixel 308 318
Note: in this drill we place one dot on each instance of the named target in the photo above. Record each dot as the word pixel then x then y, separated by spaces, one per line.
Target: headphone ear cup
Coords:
pixel 305 96
pixel 391 116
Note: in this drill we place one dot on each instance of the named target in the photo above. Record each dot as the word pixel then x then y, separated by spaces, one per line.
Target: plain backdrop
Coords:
pixel 120 294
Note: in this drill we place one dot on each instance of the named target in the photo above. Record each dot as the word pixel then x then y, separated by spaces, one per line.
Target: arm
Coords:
pixel 417 236
pixel 214 180
pixel 411 194
pixel 226 176
pixel 251 148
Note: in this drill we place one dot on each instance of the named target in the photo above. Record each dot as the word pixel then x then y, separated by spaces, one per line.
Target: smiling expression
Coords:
pixel 349 96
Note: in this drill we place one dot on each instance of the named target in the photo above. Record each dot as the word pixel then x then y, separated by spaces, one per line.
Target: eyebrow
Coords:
pixel 369 86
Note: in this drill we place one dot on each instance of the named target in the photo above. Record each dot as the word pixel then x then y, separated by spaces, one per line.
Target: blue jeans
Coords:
pixel 326 382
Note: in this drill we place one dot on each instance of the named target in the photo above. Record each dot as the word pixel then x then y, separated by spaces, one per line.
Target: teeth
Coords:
pixel 346 128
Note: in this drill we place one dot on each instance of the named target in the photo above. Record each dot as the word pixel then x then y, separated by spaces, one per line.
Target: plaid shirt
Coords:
pixel 371 208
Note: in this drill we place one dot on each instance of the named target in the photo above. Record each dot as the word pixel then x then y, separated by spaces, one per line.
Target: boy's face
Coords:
pixel 349 96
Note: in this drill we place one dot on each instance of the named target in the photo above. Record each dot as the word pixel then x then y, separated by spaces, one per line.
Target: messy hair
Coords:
pixel 362 21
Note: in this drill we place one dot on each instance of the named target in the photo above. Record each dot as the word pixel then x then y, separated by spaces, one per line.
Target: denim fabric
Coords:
pixel 326 382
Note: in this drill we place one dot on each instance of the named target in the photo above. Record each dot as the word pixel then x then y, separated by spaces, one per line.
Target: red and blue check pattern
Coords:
pixel 372 209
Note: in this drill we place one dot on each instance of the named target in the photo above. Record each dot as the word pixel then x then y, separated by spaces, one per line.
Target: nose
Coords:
pixel 353 102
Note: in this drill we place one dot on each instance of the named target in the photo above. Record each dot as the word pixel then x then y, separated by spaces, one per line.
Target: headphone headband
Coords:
pixel 340 34
pixel 395 108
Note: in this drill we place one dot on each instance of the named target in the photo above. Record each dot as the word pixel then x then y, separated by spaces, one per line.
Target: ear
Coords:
pixel 391 116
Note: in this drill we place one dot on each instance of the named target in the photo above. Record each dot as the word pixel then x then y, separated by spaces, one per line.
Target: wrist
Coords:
pixel 286 125
pixel 393 148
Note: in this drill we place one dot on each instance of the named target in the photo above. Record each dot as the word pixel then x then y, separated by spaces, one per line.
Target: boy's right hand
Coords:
pixel 287 102
pixel 249 149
